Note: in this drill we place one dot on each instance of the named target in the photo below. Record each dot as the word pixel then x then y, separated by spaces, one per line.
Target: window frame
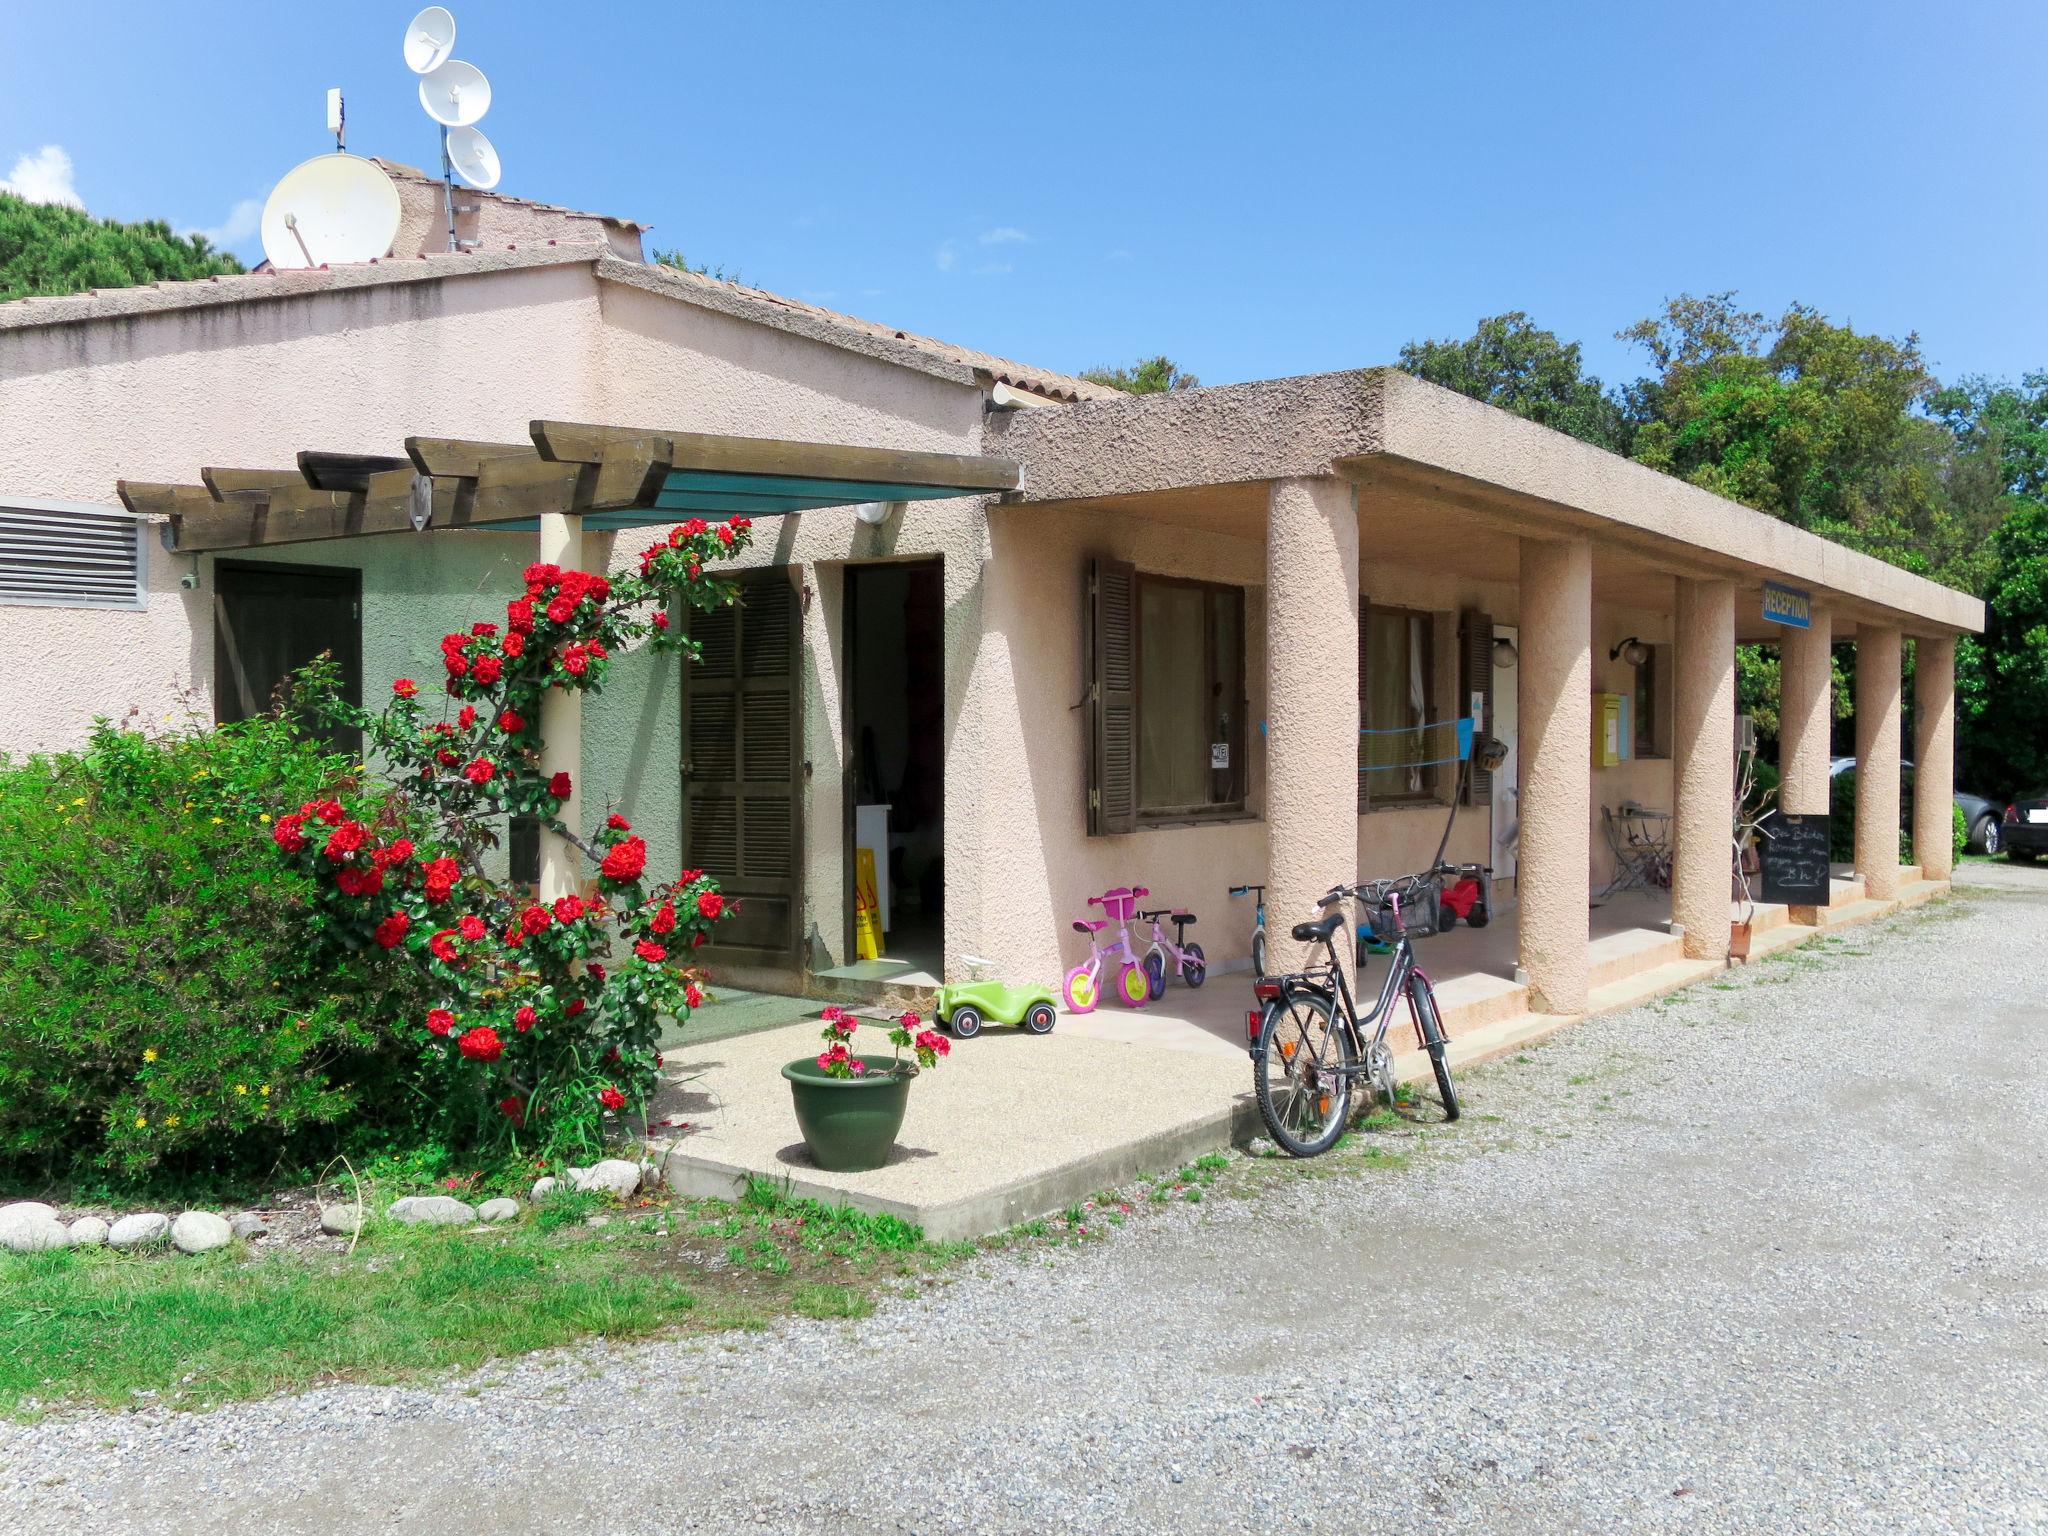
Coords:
pixel 1652 741
pixel 1228 810
pixel 1371 797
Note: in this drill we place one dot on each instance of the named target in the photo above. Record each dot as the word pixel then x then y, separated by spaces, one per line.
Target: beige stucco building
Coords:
pixel 1151 663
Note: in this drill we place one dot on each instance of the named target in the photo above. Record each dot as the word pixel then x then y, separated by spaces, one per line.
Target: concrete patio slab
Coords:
pixel 1011 1126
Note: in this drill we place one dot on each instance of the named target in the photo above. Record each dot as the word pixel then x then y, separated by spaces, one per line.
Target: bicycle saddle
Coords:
pixel 1319 931
pixel 1082 925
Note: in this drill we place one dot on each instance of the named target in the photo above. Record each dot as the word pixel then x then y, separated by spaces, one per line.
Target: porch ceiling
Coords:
pixel 612 477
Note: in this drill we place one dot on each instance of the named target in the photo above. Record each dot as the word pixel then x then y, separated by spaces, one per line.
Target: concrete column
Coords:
pixel 1703 766
pixel 1934 755
pixel 1555 700
pixel 1806 716
pixel 1311 701
pixel 1877 760
pixel 561 724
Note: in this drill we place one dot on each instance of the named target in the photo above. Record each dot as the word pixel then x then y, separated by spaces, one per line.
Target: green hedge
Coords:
pixel 1842 826
pixel 160 1006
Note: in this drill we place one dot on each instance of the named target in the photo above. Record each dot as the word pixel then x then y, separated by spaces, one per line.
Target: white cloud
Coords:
pixel 44 177
pixel 947 254
pixel 1004 235
pixel 243 220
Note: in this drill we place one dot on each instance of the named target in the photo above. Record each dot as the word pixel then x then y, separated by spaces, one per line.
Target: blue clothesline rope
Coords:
pixel 1465 736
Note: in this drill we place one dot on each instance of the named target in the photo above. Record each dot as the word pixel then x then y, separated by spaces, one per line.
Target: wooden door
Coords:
pixel 742 764
pixel 270 620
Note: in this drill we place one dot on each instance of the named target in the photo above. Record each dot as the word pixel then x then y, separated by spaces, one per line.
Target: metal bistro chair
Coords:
pixel 1640 840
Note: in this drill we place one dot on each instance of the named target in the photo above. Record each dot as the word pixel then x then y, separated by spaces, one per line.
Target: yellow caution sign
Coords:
pixel 867 925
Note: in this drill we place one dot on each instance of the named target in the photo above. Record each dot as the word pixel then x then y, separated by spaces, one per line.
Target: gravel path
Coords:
pixel 1769 1256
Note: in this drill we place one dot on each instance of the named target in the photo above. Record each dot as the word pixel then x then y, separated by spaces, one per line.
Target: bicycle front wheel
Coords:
pixel 1302 1071
pixel 1428 1024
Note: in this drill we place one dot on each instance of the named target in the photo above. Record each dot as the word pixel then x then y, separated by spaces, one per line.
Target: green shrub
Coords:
pixel 160 1004
pixel 1959 832
pixel 1842 817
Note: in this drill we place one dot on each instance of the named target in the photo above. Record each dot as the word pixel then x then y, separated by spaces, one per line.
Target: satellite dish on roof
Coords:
pixel 474 158
pixel 429 39
pixel 331 209
pixel 456 94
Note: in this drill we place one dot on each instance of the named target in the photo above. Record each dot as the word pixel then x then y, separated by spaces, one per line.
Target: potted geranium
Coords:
pixel 850 1107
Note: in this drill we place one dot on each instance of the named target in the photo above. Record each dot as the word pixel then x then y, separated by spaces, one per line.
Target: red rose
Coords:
pixel 345 840
pixel 483 628
pixel 515 644
pixel 443 946
pixel 575 1007
pixel 725 535
pixel 539 575
pixel 287 834
pixel 405 687
pixel 441 875
pixel 568 908
pixel 446 758
pixel 480 771
pixel 576 660
pixel 455 662
pixel 513 1108
pixel 534 919
pixel 650 951
pixel 709 903
pixel 440 1020
pixel 741 522
pixel 611 1098
pixel 329 811
pixel 466 717
pixel 596 973
pixel 692 996
pixel 618 823
pixel 524 1019
pixel 559 786
pixel 511 722
pixel 391 932
pixel 486 670
pixel 401 850
pixel 359 882
pixel 472 926
pixel 519 615
pixel 624 861
pixel 661 621
pixel 481 1044
pixel 664 919
pixel 690 877
pixel 560 609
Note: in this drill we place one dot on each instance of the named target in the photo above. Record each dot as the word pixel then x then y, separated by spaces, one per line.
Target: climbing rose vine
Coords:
pixel 548 1012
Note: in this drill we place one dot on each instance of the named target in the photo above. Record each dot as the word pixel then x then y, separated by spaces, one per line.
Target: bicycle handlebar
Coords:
pixel 1246 890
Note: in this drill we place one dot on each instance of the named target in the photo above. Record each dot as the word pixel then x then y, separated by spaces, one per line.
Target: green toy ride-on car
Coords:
pixel 967 1005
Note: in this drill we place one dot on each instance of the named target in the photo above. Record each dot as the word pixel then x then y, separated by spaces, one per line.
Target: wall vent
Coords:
pixel 68 554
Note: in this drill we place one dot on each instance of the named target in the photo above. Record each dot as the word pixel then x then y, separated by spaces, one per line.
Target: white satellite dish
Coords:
pixel 474 157
pixel 332 209
pixel 456 94
pixel 429 39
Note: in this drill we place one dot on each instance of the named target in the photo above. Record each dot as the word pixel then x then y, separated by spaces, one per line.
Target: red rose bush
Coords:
pixel 548 1014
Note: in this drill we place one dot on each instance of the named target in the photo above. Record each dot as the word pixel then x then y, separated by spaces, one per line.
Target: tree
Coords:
pixel 46 248
pixel 1512 363
pixel 1147 376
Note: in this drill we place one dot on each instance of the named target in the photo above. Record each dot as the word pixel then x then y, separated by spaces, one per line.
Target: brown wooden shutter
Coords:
pixel 1112 713
pixel 1364 778
pixel 1475 676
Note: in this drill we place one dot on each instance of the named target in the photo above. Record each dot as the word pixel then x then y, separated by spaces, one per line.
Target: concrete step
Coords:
pixel 1845 893
pixel 1618 955
pixel 1849 914
pixel 1909 874
pixel 1915 892
pixel 1627 991
pixel 1764 915
pixel 1473 1001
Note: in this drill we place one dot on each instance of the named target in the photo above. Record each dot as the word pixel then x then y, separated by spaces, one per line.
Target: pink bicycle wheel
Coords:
pixel 1081 991
pixel 1134 985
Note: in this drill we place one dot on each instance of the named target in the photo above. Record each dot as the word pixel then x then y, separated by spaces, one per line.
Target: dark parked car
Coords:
pixel 1987 820
pixel 2025 830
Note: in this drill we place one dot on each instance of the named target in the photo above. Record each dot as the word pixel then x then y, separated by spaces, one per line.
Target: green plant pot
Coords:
pixel 849 1123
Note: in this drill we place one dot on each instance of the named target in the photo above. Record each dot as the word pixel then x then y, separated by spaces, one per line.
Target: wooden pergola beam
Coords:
pixel 776 456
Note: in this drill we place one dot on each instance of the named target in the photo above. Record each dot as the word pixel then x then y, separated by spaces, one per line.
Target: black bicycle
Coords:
pixel 1308 1045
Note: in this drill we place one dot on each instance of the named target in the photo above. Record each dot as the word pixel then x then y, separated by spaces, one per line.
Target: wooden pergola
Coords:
pixel 569 478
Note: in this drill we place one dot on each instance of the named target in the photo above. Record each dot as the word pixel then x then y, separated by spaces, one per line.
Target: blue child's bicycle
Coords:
pixel 1258 892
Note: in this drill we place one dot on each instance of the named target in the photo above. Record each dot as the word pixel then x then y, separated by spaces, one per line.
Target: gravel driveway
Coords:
pixel 1769 1256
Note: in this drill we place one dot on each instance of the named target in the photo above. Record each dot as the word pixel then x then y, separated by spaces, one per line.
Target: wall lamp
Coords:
pixel 1504 653
pixel 1632 651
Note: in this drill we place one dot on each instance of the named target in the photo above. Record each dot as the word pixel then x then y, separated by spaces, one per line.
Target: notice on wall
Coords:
pixel 1219 754
pixel 1794 854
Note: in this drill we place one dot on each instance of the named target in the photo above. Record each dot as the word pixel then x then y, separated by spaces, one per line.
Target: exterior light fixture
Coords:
pixel 1504 652
pixel 1632 651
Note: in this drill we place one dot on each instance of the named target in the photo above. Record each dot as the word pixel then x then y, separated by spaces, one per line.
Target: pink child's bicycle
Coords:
pixel 1084 981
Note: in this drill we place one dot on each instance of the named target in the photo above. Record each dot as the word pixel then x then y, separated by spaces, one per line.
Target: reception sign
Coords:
pixel 1790 606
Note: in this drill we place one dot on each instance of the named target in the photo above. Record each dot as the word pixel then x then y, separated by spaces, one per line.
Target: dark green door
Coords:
pixel 270 620
pixel 742 764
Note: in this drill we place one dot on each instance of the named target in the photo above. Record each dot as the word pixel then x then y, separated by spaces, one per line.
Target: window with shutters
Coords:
pixel 1396 699
pixel 69 555
pixel 1646 708
pixel 1165 702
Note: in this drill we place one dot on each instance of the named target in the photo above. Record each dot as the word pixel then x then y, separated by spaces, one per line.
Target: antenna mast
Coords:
pixel 456 96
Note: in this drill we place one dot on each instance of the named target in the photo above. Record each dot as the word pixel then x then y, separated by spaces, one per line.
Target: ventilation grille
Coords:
pixel 74 557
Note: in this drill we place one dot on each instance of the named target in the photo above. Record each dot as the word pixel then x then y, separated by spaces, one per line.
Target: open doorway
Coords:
pixel 895 777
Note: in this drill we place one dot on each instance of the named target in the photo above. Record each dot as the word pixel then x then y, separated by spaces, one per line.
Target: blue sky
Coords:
pixel 1255 189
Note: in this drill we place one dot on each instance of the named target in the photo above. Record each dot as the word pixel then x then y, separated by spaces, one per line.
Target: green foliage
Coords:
pixel 1509 362
pixel 1758 678
pixel 681 263
pixel 49 249
pixel 1147 376
pixel 159 1006
pixel 1959 832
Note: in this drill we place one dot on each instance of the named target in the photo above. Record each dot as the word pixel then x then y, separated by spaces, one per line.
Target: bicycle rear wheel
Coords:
pixel 1302 1072
pixel 1428 1024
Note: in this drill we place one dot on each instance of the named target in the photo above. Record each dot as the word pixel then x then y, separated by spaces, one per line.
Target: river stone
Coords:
pixel 341 1220
pixel 543 1187
pixel 139 1231
pixel 30 1227
pixel 501 1209
pixel 201 1232
pixel 432 1211
pixel 613 1176
pixel 89 1232
pixel 248 1224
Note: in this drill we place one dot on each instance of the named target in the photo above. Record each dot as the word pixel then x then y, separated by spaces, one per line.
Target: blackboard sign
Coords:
pixel 1794 852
